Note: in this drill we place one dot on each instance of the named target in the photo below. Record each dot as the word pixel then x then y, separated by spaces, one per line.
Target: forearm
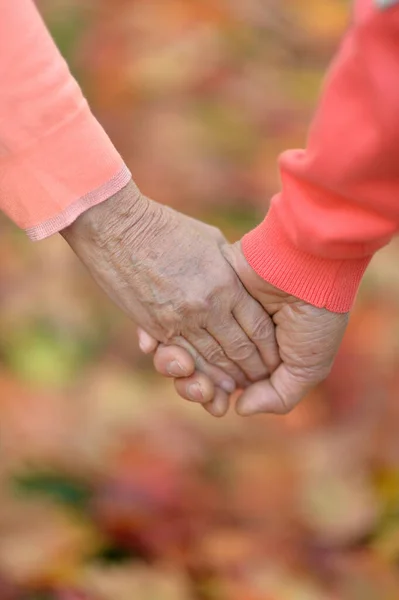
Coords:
pixel 340 197
pixel 55 158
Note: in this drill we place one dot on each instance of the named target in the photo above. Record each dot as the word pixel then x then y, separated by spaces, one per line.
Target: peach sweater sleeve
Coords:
pixel 339 201
pixel 56 161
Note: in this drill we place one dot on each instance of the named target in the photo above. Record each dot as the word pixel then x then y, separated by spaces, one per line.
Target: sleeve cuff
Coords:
pixel 73 211
pixel 325 283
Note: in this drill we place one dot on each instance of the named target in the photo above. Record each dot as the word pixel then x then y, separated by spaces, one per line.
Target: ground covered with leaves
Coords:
pixel 112 488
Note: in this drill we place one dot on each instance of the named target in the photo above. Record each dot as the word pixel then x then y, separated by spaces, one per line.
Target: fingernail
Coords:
pixel 194 392
pixel 228 386
pixel 143 346
pixel 175 369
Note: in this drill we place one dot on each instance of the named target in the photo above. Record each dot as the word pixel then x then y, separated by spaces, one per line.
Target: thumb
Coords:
pixel 277 395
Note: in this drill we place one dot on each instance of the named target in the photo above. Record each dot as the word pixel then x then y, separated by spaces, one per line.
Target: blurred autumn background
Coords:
pixel 112 488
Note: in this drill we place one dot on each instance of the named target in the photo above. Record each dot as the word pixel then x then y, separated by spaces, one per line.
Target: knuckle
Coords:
pixel 263 329
pixel 224 293
pixel 214 355
pixel 189 312
pixel 198 304
pixel 243 352
pixel 170 323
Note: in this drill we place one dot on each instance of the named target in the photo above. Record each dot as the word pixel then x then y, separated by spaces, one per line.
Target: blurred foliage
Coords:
pixel 112 488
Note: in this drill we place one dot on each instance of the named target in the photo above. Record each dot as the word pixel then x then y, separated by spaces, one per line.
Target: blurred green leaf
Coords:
pixel 234 221
pixel 58 487
pixel 43 355
pixel 112 554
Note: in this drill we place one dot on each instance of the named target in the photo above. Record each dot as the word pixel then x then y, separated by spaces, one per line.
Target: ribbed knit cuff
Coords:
pixel 325 283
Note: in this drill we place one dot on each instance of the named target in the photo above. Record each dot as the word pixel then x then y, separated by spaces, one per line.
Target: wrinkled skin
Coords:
pixel 168 272
pixel 308 339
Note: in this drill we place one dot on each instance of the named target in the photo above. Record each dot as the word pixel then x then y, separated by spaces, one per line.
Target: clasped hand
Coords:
pixel 212 323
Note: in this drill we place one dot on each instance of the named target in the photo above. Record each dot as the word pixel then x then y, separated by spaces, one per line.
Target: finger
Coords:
pixel 238 348
pixel 197 388
pixel 147 343
pixel 278 395
pixel 260 329
pixel 208 348
pixel 173 361
pixel 217 375
pixel 219 406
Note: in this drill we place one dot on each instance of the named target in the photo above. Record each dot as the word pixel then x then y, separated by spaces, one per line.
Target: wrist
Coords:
pixel 106 220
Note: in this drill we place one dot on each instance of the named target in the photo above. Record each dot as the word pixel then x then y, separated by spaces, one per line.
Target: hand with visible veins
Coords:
pixel 168 272
pixel 308 339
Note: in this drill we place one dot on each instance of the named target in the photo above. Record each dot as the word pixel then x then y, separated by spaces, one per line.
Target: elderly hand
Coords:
pixel 168 272
pixel 308 339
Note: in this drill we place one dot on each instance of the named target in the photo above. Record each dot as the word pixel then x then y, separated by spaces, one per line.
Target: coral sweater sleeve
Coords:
pixel 55 159
pixel 339 201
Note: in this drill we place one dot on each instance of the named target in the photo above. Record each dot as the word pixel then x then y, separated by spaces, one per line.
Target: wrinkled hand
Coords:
pixel 308 339
pixel 167 271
